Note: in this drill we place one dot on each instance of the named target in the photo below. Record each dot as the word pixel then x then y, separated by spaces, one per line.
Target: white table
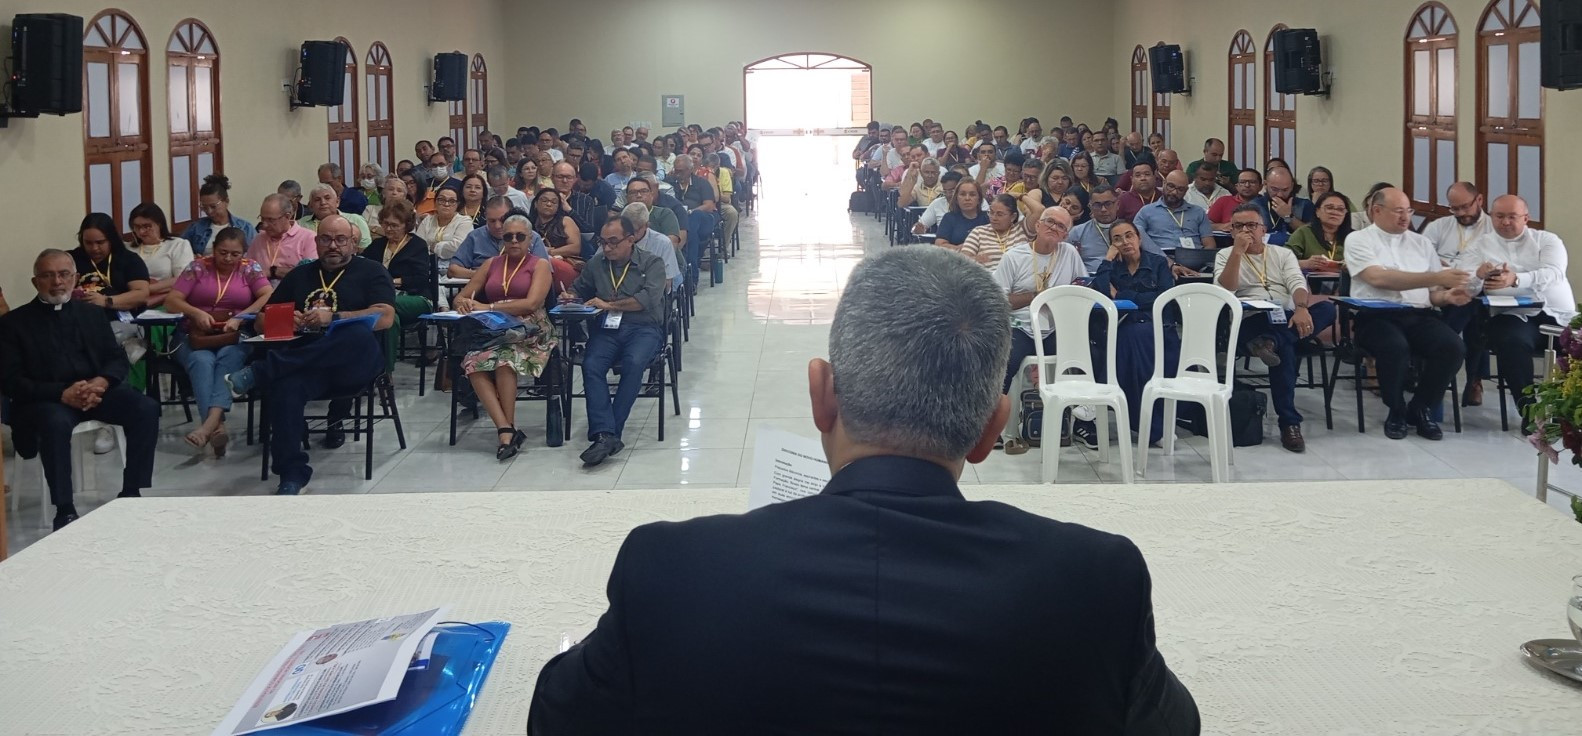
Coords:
pixel 1296 608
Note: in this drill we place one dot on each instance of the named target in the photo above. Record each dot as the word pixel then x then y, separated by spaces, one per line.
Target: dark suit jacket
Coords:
pixel 887 604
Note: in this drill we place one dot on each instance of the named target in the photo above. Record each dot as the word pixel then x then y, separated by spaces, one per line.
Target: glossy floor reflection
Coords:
pixel 746 368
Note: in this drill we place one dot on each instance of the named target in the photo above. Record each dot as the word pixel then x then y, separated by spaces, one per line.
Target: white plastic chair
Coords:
pixel 1196 379
pixel 79 453
pixel 1072 308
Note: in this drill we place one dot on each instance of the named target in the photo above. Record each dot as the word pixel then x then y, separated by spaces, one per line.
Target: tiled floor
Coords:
pixel 746 369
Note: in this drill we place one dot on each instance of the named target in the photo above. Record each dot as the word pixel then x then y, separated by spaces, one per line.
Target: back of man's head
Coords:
pixel 918 349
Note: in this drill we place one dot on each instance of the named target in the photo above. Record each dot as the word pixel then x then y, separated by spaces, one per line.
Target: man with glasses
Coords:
pixel 61 365
pixel 1452 235
pixel 281 243
pixel 1284 212
pixel 484 243
pixel 628 284
pixel 1026 270
pixel 1253 270
pixel 585 208
pixel 703 214
pixel 447 148
pixel 1388 261
pixel 1173 222
pixel 652 241
pixel 1092 238
pixel 327 360
pixel 1516 259
pixel 499 179
pixel 323 204
pixel 546 144
pixel 471 162
pixel 644 189
pixel 1106 163
pixel 1248 184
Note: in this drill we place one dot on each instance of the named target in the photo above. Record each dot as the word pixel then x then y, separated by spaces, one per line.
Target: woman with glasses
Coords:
pixel 164 254
pixel 1321 245
pixel 1082 171
pixel 966 212
pixel 515 283
pixel 1128 272
pixel 987 244
pixel 1075 202
pixel 406 256
pixel 446 228
pixel 213 293
pixel 214 200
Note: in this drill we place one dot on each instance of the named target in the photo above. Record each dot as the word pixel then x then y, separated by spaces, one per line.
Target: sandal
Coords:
pixel 1016 446
pixel 197 438
pixel 219 440
pixel 508 448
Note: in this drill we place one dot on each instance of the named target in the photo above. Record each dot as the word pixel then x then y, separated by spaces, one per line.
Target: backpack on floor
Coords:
pixel 1032 429
pixel 861 201
pixel 1247 408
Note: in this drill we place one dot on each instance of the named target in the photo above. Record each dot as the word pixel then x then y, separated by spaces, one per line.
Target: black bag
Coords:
pixel 484 330
pixel 1032 429
pixel 861 201
pixel 1247 407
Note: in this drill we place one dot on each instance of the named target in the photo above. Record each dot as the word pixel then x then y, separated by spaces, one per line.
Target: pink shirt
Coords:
pixel 201 285
pixel 294 247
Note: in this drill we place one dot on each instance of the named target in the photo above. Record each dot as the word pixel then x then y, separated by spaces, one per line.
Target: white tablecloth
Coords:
pixel 1287 608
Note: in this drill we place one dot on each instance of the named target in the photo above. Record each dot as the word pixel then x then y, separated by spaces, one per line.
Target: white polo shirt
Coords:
pixel 1407 251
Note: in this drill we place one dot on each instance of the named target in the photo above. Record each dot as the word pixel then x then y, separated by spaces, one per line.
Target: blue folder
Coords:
pixel 433 701
pixel 1521 301
pixel 1373 303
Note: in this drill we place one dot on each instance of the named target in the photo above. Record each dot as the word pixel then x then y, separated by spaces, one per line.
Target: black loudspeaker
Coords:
pixel 1560 47
pixel 1298 62
pixel 1167 68
pixel 46 51
pixel 450 77
pixel 323 75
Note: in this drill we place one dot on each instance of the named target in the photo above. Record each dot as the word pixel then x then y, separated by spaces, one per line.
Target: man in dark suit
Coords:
pixel 887 603
pixel 61 365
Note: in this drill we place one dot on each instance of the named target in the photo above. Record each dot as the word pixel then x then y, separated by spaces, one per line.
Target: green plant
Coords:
pixel 1576 507
pixel 1556 409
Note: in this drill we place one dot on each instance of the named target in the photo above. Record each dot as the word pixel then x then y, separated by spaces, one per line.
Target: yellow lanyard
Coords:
pixel 1000 240
pixel 1461 235
pixel 616 282
pixel 390 253
pixel 142 250
pixel 1150 201
pixel 1104 233
pixel 506 278
pixel 1041 278
pixel 330 287
pixel 474 213
pixel 1261 268
pixel 274 253
pixel 220 288
pixel 1180 221
pixel 109 261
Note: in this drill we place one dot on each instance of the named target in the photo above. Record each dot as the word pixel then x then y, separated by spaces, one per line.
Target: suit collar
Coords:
pixel 905 476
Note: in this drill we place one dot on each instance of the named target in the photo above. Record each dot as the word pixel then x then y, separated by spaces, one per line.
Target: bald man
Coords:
pixel 1134 151
pixel 1173 222
pixel 335 355
pixel 1389 262
pixel 1451 235
pixel 1512 260
pixel 1284 212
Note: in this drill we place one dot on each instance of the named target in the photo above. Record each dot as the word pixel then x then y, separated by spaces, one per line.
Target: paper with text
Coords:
pixel 1504 301
pixel 786 467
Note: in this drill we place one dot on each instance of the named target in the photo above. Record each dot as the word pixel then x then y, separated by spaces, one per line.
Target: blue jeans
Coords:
pixel 1282 378
pixel 700 227
pixel 206 370
pixel 633 347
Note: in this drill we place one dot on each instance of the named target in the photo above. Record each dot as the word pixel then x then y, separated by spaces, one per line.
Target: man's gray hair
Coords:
pixel 333 168
pixel 282 204
pixel 497 172
pixel 291 186
pixel 320 188
pixel 929 160
pixel 646 178
pixel 919 346
pixel 636 213
pixel 517 218
pixel 49 253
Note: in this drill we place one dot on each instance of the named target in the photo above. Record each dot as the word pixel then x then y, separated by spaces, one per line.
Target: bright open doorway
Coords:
pixel 806 110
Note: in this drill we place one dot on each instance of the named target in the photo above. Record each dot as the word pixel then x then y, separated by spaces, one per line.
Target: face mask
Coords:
pixel 367 183
pixel 439 172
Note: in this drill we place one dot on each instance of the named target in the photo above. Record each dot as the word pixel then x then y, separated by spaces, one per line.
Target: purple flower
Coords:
pixel 1536 439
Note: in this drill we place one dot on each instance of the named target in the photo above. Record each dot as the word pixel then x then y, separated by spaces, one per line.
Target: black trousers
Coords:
pixel 1395 339
pixel 1513 341
pixel 124 406
pixel 342 362
pixel 1022 348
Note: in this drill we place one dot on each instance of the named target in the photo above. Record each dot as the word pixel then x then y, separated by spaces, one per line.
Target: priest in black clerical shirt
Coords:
pixel 887 603
pixel 60 365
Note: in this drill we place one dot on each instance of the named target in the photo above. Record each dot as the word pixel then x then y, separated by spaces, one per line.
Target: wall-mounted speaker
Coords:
pixel 1560 44
pixel 1167 68
pixel 322 79
pixel 46 52
pixel 450 77
pixel 1298 62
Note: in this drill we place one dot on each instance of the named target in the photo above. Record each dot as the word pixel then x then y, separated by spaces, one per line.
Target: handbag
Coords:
pixel 216 336
pixel 485 330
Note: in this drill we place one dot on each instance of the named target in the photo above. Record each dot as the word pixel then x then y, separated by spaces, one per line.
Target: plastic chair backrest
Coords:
pixel 1200 306
pixel 1072 310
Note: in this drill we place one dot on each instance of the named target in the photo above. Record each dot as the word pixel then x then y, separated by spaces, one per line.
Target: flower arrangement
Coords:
pixel 1556 410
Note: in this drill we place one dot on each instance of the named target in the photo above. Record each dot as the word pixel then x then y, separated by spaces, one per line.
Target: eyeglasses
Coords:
pixel 1509 216
pixel 1095 204
pixel 276 218
pixel 1334 208
pixel 339 241
pixel 446 200
pixel 613 243
pixel 1054 225
pixel 1245 227
pixel 1247 183
pixel 514 237
pixel 67 275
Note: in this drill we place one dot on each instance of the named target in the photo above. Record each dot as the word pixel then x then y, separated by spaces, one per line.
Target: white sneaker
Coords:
pixel 103 441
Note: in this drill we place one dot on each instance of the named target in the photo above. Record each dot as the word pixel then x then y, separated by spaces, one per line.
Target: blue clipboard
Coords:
pixel 367 319
pixel 432 702
pixel 1521 301
pixel 1374 303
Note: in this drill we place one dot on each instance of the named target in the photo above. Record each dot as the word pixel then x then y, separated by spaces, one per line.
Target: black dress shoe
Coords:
pixel 129 494
pixel 334 437
pixel 1395 426
pixel 604 445
pixel 1291 438
pixel 63 519
pixel 1427 428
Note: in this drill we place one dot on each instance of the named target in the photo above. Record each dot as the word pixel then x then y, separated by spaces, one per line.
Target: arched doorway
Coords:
pixel 807 93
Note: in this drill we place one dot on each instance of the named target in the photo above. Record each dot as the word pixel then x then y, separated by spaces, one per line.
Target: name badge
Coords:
pixel 612 320
pixel 1189 243
pixel 1276 316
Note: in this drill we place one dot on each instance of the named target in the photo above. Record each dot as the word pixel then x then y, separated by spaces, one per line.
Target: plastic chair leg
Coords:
pixel 1049 468
pixel 1169 433
pixel 1124 446
pixel 1146 420
pixel 1219 438
pixel 1102 423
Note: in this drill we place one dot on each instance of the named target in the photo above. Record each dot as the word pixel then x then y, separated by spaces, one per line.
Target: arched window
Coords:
pixel 380 109
pixel 1510 105
pixel 480 96
pixel 1243 104
pixel 1430 109
pixel 115 116
pixel 1279 111
pixel 458 122
pixel 193 61
pixel 343 122
pixel 1140 91
pixel 1162 113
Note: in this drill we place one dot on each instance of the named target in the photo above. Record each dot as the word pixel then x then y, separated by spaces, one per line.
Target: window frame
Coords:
pixel 378 71
pixel 1432 29
pixel 191 33
pixel 1511 130
pixel 117 148
pixel 478 96
pixel 1242 113
pixel 1279 110
pixel 1140 89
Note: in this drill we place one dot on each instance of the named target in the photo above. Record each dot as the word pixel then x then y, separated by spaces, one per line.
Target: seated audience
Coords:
pixel 1142 191
pixel 213 293
pixel 628 284
pixel 474 191
pixel 1106 164
pixel 644 188
pixel 527 176
pixel 1026 270
pixel 291 190
pixel 1254 270
pixel 446 228
pixel 652 241
pixel 1388 261
pixel 703 217
pixel 1135 152
pixel 408 260
pixel 987 243
pixel 516 283
pixel 1082 172
pixel 1284 212
pixel 1205 189
pixel 1319 180
pixel 1173 222
pixel 500 186
pixel 281 243
pixel 1156 143
pixel 323 203
pixel 1321 245
pixel 112 277
pixel 370 181
pixel 1452 235
pixel 350 201
pixel 60 366
pixel 326 361
pixel 214 201
pixel 1128 271
pixel 1076 203
pixel 1214 158
pixel 935 210
pixel 958 223
pixel 1094 238
pixel 485 242
pixel 163 254
pixel 552 220
pixel 1517 259
pixel 1248 184
pixel 1031 600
